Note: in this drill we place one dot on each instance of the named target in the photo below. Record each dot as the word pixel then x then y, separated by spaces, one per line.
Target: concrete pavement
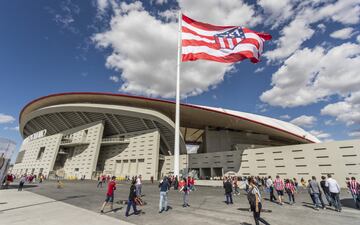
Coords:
pixel 207 207
pixel 24 208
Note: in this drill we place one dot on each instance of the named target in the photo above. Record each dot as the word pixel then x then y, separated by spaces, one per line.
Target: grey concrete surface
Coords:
pixel 207 206
pixel 24 208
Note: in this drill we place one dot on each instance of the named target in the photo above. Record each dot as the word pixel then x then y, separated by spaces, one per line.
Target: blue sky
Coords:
pixel 309 73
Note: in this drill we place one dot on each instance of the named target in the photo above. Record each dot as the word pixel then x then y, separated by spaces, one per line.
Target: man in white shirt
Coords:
pixel 334 190
pixel 270 186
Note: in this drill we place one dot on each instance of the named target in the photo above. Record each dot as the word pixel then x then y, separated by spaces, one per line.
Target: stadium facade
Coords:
pixel 87 134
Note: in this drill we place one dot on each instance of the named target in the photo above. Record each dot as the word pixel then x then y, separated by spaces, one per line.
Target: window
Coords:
pixel 76 169
pixel 279 166
pixel 230 161
pixel 350 164
pixel 279 159
pixel 277 152
pixel 342 147
pixel 261 167
pixel 299 157
pixel 301 165
pixel 259 153
pixel 322 156
pixel 349 155
pixel 303 173
pixel 324 164
pixel 141 160
pixel 319 149
pixel 41 153
pixel 244 160
pixel 260 160
pixel 297 150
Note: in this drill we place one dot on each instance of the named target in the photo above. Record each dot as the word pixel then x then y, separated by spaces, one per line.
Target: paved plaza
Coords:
pixel 78 202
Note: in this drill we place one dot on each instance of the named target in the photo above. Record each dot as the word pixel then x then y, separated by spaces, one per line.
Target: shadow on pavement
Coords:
pixel 14 186
pixel 43 203
pixel 348 202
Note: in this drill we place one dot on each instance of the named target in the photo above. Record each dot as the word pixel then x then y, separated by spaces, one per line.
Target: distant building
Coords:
pixel 7 148
pixel 75 134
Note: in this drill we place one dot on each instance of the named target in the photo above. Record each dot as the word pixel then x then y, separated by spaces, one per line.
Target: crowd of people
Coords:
pixel 25 178
pixel 327 189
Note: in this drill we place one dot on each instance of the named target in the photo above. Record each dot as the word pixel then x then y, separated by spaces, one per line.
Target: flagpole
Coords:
pixel 177 110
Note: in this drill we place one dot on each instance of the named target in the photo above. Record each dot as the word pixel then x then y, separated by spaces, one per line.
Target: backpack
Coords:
pixel 251 198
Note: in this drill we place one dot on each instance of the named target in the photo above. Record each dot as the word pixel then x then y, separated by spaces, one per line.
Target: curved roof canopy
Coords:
pixel 192 116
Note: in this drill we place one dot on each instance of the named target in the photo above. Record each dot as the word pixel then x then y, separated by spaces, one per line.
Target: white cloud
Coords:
pixel 115 79
pixel 308 13
pixel 148 65
pixel 221 12
pixel 329 122
pixel 343 34
pixel 285 117
pixel 354 134
pixel 312 75
pixel 320 134
pixel 321 27
pixel 347 111
pixel 12 128
pixel 6 118
pixel 304 121
pixel 260 69
pixel 277 11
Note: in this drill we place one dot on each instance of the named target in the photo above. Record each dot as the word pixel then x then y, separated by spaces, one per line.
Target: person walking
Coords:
pixel 279 187
pixel 185 189
pixel 354 187
pixel 22 182
pixel 100 182
pixel 236 186
pixel 334 190
pixel 109 194
pixel 138 186
pixel 290 190
pixel 131 200
pixel 176 183
pixel 228 191
pixel 325 190
pixel 254 198
pixel 164 188
pixel 314 190
pixel 270 186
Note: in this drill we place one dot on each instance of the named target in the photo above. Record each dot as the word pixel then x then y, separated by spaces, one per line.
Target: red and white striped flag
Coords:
pixel 227 44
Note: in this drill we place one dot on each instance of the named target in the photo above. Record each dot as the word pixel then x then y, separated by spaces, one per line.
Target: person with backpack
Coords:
pixel 254 198
pixel 164 188
pixel 279 187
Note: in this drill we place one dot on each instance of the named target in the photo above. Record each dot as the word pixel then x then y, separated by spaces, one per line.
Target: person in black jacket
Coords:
pixel 228 191
pixel 164 188
pixel 131 201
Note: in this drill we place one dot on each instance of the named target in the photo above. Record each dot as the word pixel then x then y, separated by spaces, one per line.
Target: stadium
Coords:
pixel 72 135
